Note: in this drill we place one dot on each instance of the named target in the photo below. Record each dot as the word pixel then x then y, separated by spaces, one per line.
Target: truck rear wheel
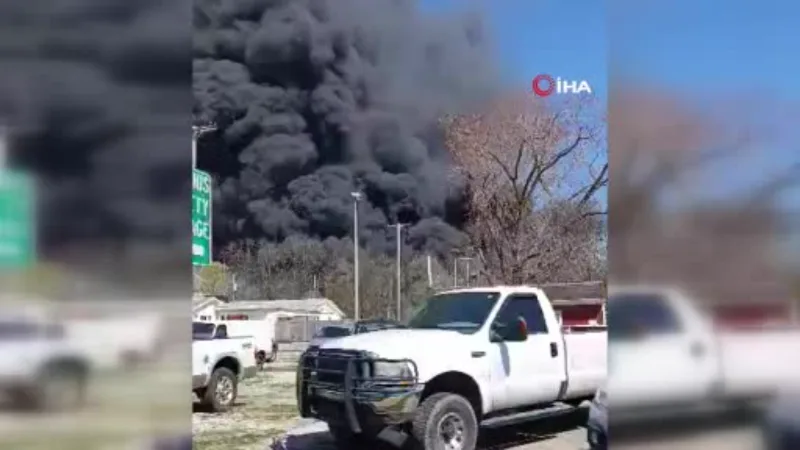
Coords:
pixel 274 355
pixel 445 421
pixel 221 391
pixel 261 359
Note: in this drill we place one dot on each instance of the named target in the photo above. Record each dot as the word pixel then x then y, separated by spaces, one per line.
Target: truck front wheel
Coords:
pixel 445 421
pixel 221 391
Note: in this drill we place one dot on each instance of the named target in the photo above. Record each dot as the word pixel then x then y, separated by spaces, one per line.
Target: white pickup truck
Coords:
pixel 40 368
pixel 219 362
pixel 467 359
pixel 263 334
pixel 666 356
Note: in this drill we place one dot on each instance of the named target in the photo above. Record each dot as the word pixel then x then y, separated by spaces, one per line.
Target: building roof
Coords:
pixel 200 302
pixel 311 305
pixel 589 292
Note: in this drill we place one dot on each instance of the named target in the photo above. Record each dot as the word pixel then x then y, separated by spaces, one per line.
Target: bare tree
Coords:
pixel 667 154
pixel 301 268
pixel 533 174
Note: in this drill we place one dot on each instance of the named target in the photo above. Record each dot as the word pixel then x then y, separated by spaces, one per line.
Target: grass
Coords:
pixel 266 409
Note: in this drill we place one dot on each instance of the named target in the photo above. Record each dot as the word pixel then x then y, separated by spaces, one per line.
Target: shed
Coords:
pixel 578 303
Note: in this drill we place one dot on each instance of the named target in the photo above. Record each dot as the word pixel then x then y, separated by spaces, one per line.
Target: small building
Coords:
pixel 578 304
pixel 319 309
pixel 204 307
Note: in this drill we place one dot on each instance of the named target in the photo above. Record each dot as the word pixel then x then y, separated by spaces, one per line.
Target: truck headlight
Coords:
pixel 399 370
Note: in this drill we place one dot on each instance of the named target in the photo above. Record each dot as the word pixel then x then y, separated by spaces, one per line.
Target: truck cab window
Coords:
pixel 221 332
pixel 526 307
pixel 631 315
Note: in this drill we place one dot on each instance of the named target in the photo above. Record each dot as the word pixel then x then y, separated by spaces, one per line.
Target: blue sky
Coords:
pixel 698 48
pixel 564 38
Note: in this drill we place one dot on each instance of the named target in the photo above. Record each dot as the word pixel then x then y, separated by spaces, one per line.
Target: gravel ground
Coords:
pixel 266 408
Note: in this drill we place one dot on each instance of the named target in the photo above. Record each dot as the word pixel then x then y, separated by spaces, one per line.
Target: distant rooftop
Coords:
pixel 314 305
pixel 590 290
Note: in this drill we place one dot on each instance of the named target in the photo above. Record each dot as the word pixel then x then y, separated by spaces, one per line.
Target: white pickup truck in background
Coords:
pixel 263 334
pixel 665 350
pixel 471 358
pixel 126 342
pixel 40 368
pixel 666 356
pixel 219 362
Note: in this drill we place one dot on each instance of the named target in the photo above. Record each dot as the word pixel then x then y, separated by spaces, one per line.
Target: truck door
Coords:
pixel 534 369
pixel 655 357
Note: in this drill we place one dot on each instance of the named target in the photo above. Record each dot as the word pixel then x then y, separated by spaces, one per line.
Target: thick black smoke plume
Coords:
pixel 318 98
pixel 97 97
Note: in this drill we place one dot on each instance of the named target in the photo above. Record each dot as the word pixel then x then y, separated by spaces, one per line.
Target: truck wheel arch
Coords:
pixel 456 382
pixel 229 363
pixel 75 365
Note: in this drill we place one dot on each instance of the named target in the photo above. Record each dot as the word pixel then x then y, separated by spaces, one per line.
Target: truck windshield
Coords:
pixel 202 330
pixel 460 311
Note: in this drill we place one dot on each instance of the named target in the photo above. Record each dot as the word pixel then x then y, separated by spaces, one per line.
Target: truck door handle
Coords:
pixel 553 349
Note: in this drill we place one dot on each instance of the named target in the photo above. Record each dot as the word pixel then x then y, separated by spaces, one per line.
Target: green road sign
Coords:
pixel 201 218
pixel 17 220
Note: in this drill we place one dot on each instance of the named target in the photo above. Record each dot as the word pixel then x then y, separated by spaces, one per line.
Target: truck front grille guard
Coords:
pixel 350 373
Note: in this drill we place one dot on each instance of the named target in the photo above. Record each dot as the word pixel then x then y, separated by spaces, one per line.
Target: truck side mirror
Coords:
pixel 519 331
pixel 516 331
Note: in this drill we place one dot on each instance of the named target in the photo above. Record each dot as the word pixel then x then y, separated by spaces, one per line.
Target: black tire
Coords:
pixel 222 389
pixel 439 409
pixel 57 388
pixel 261 359
pixel 344 439
pixel 274 355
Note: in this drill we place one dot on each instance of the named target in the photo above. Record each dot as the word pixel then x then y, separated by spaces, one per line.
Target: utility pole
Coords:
pixel 455 273
pixel 197 131
pixel 399 228
pixel 469 273
pixel 356 197
pixel 3 146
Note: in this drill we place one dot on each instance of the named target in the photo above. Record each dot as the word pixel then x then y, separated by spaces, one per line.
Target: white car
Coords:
pixel 482 357
pixel 219 362
pixel 40 369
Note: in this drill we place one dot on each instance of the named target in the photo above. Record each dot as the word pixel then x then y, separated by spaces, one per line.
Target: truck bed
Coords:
pixel 586 360
pixel 756 362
